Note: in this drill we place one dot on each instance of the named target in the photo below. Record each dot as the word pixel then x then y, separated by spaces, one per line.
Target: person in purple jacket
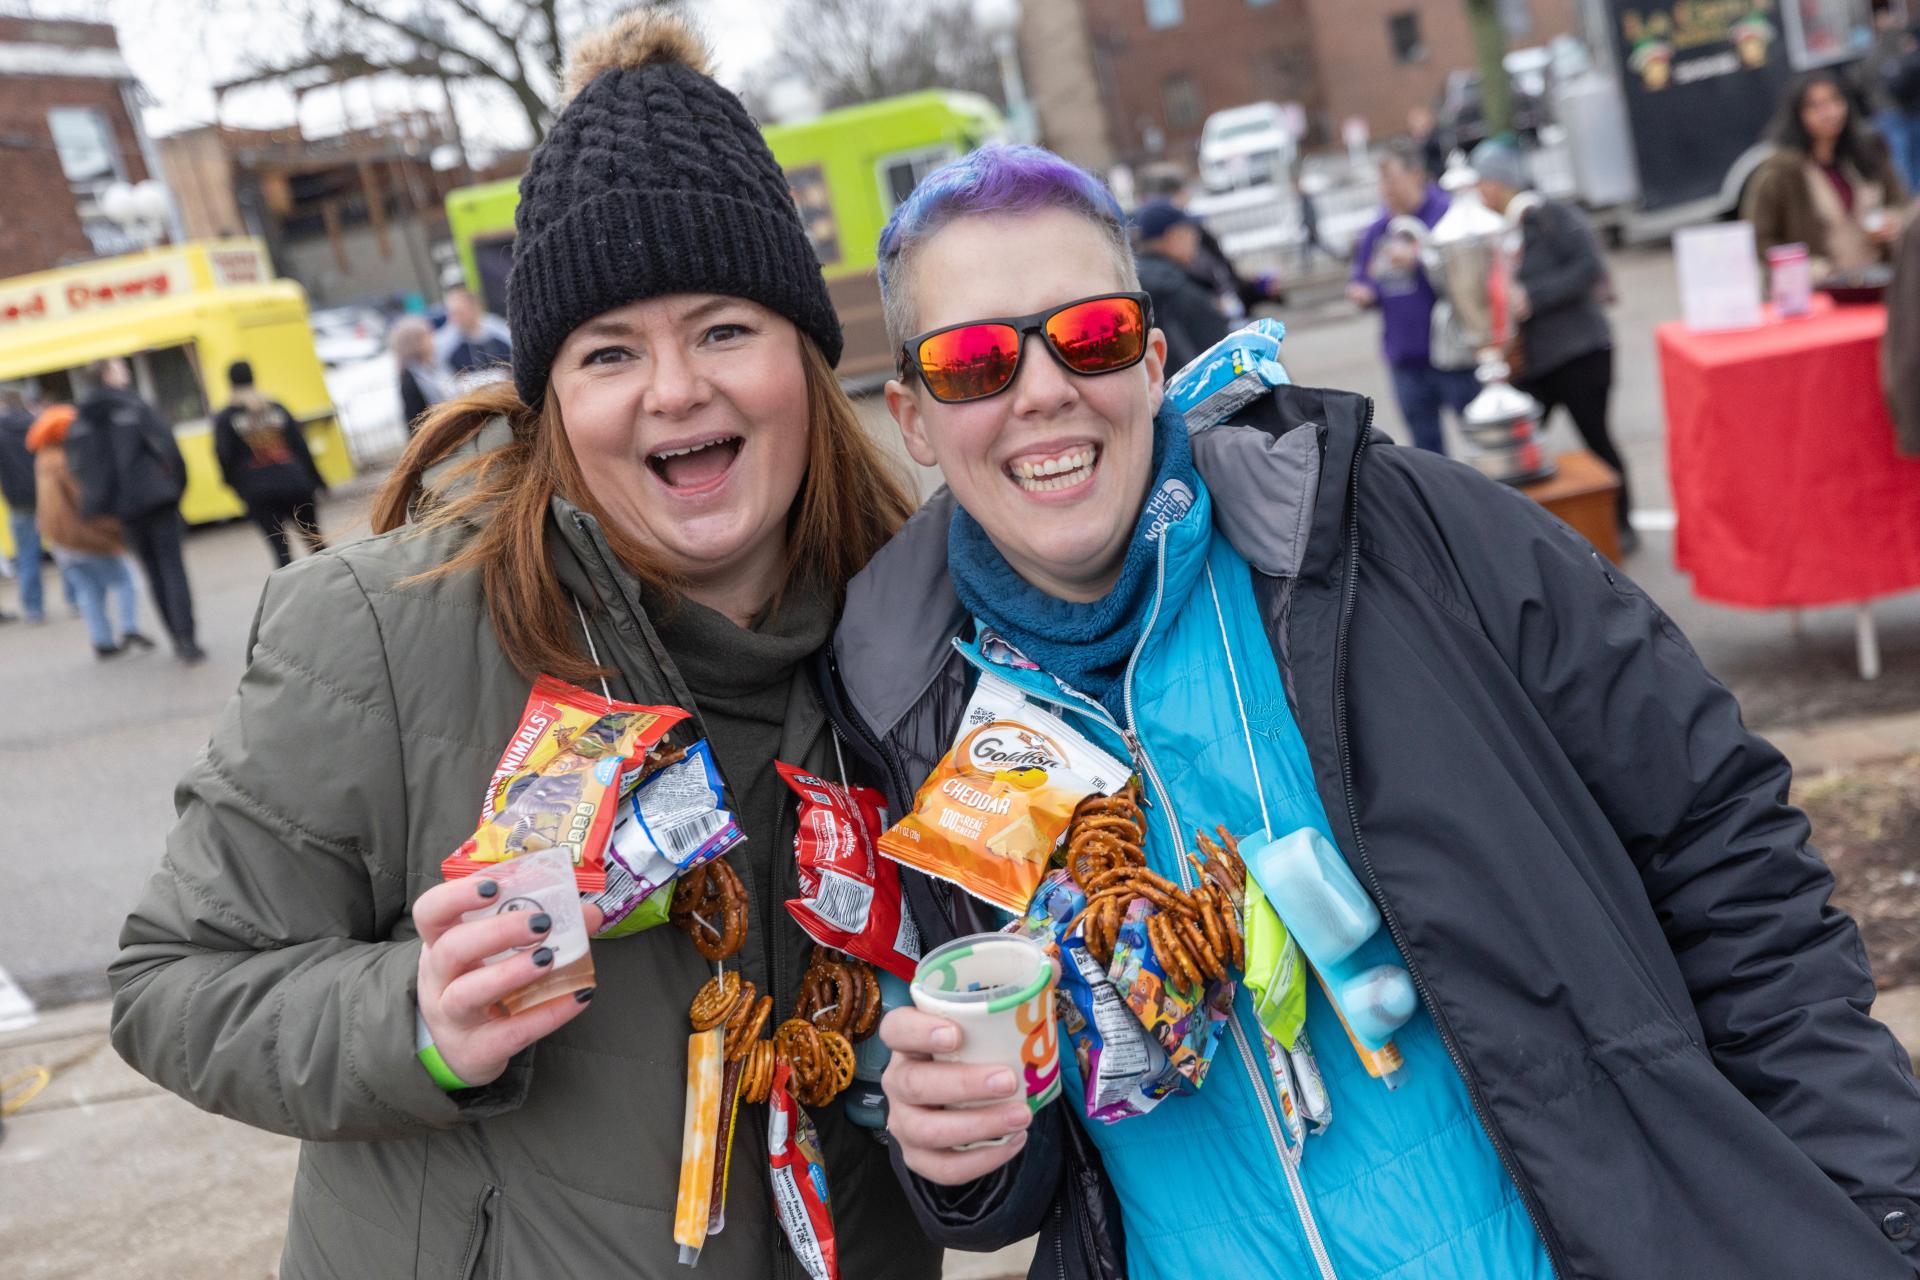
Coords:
pixel 1387 275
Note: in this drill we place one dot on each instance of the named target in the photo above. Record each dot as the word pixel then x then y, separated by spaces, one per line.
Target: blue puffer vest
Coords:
pixel 1404 1183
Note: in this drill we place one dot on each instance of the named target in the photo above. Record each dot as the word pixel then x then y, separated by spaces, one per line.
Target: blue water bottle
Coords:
pixel 865 1103
pixel 1331 916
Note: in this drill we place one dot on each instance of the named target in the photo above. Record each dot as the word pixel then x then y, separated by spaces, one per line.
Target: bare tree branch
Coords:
pixel 850 51
pixel 515 45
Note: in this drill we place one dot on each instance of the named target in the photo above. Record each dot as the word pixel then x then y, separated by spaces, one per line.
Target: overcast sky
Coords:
pixel 181 48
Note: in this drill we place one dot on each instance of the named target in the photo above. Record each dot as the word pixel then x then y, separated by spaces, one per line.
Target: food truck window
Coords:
pixel 493 260
pixel 900 174
pixel 1823 32
pixel 808 183
pixel 169 380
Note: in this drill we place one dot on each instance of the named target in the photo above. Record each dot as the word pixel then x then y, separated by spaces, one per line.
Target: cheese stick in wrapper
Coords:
pixel 699 1130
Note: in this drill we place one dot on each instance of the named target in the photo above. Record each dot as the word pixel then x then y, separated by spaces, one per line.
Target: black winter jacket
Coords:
pixel 16 464
pixel 264 457
pixel 124 457
pixel 1564 276
pixel 1588 862
pixel 1183 308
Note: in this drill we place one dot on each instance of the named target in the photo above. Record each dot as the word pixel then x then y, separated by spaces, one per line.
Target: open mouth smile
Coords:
pixel 698 465
pixel 1048 473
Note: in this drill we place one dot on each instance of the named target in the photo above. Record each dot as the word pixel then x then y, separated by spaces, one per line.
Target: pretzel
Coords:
pixel 798 1043
pixel 756 1071
pixel 867 1021
pixel 839 1051
pixel 1100 927
pixel 749 1019
pixel 708 893
pixel 715 1001
pixel 661 757
pixel 1205 961
pixel 832 989
pixel 687 891
pixel 1172 953
pixel 1224 865
pixel 1105 834
pixel 1236 933
pixel 1212 919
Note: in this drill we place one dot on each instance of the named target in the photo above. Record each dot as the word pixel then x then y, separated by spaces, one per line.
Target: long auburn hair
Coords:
pixel 851 501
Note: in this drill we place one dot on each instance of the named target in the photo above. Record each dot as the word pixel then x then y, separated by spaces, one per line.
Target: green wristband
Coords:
pixel 437 1068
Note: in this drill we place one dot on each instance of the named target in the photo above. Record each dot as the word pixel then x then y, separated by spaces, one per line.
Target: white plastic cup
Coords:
pixel 998 989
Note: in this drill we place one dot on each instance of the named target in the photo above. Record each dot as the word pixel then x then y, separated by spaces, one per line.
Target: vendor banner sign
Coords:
pixel 1701 78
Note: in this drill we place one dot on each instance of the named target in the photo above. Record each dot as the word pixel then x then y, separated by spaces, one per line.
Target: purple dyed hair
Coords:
pixel 997 178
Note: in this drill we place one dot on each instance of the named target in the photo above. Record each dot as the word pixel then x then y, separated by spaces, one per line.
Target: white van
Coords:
pixel 1250 146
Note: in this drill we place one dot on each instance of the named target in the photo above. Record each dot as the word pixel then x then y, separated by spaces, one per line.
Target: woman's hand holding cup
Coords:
pixel 934 1107
pixel 460 993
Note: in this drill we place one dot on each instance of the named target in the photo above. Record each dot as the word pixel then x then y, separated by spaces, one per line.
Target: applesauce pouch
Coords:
pixel 992 812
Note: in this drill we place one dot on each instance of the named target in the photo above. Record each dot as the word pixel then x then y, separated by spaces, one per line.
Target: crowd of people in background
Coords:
pixel 471 346
pixel 1839 182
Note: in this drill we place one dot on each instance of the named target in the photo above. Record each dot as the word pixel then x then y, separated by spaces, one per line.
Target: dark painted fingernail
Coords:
pixel 486 888
pixel 543 957
pixel 583 996
pixel 540 923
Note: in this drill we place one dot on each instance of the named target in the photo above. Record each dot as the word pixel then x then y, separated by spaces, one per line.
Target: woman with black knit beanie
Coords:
pixel 664 505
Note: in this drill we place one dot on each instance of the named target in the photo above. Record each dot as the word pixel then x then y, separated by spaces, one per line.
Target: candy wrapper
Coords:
pixel 1229 375
pixel 671 821
pixel 559 778
pixel 1186 1022
pixel 997 805
pixel 1276 974
pixel 799 1172
pixel 1123 1070
pixel 851 898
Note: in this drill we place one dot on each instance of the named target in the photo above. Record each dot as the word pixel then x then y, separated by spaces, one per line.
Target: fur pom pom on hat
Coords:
pixel 642 38
pixel 653 180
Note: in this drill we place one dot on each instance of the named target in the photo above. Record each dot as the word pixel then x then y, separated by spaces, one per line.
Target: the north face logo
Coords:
pixel 1168 505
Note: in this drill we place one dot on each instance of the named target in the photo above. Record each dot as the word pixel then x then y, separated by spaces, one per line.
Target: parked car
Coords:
pixel 1250 146
pixel 343 335
pixel 1461 116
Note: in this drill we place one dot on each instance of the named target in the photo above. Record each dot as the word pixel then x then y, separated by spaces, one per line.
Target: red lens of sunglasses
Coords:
pixel 1099 335
pixel 972 361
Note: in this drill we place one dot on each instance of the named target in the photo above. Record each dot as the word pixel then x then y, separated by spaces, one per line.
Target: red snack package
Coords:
pixel 851 899
pixel 558 782
pixel 799 1171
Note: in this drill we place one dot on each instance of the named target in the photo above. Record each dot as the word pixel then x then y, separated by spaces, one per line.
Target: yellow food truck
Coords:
pixel 847 168
pixel 179 315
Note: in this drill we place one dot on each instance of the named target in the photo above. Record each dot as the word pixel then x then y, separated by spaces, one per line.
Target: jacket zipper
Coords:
pixel 477 1232
pixel 1144 762
pixel 1349 593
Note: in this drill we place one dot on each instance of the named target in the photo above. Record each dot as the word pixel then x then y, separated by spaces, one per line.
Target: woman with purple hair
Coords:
pixel 1636 1040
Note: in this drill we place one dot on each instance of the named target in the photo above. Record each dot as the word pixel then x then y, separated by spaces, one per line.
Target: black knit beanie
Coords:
pixel 654 180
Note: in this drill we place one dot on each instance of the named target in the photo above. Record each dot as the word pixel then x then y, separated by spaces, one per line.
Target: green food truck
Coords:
pixel 847 168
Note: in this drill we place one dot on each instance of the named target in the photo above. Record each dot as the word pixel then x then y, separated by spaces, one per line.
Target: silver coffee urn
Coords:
pixel 1467 259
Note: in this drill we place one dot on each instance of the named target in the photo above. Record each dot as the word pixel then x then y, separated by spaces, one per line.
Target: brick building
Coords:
pixel 69 128
pixel 353 216
pixel 1162 66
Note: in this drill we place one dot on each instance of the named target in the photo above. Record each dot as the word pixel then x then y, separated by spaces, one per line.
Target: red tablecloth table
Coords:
pixel 1786 487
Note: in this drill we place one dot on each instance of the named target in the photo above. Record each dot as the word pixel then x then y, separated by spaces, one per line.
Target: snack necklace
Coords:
pixel 840 998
